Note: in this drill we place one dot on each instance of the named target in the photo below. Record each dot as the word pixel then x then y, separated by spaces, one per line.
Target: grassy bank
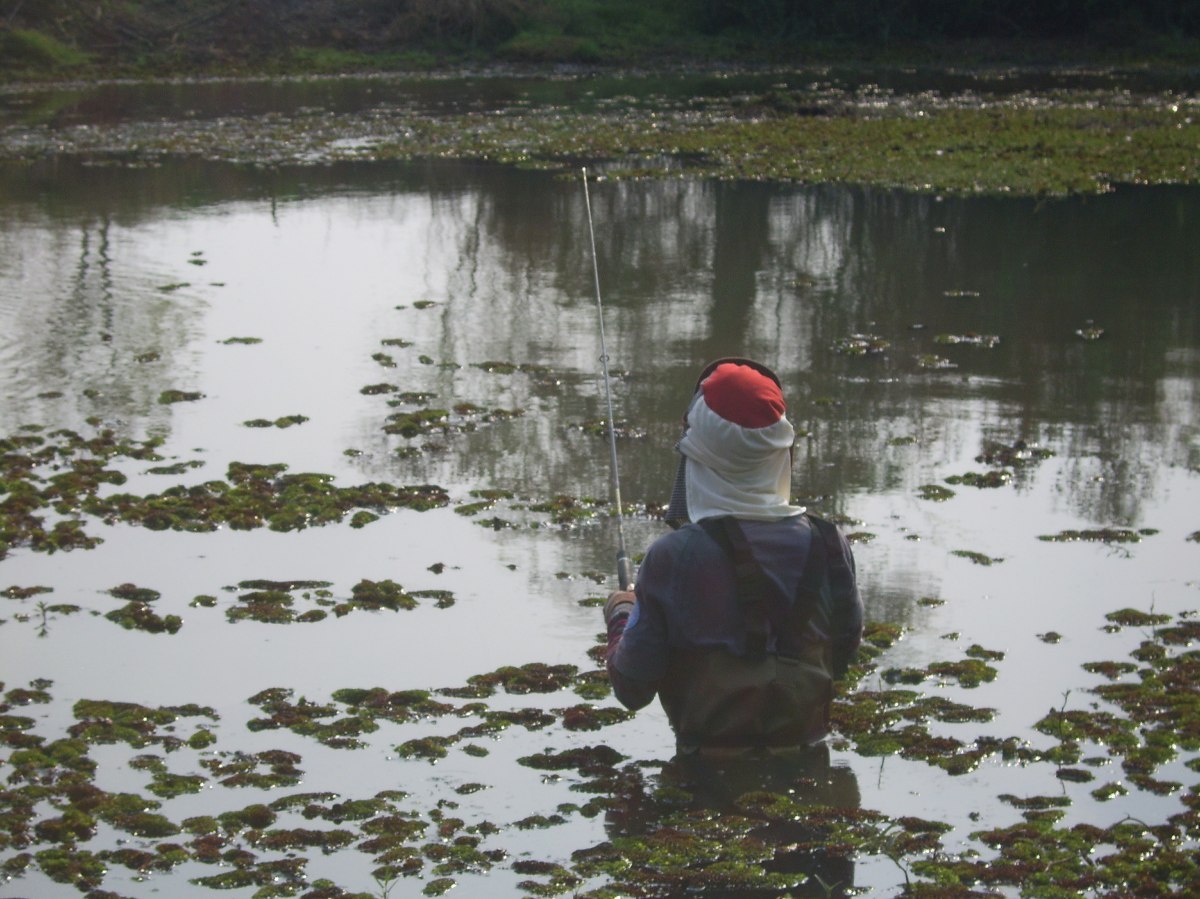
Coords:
pixel 54 39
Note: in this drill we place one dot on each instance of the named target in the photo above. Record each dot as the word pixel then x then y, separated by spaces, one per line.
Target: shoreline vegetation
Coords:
pixel 156 38
pixel 1116 101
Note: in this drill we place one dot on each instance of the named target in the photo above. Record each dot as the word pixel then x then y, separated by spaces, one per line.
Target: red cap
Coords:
pixel 744 396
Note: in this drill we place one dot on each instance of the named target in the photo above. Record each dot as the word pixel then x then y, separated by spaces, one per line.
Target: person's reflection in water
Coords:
pixel 740 622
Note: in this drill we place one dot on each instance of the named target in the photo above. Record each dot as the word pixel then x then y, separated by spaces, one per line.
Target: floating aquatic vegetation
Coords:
pixel 1000 477
pixel 378 389
pixel 860 345
pixel 412 398
pixel 968 672
pixel 1015 455
pixel 1110 670
pixel 417 423
pixel 935 492
pixel 981 341
pixel 509 368
pixel 933 362
pixel 424 304
pixel 264 584
pixel 384 359
pixel 376 595
pixel 429 748
pixel 242 341
pixel 443 599
pixel 176 468
pixel 81 869
pixel 104 721
pixel 266 606
pixel 902 441
pixel 168 397
pixel 474 508
pixel 976 557
pixel 15 592
pixel 134 593
pixel 258 496
pixel 535 677
pixel 240 769
pixel 139 616
pixel 1109 791
pixel 496 523
pixel 568 510
pixel 285 421
pixel 1094 535
pixel 150 356
pixel 586 716
pixel 665 832
pixel 167 786
pixel 1137 618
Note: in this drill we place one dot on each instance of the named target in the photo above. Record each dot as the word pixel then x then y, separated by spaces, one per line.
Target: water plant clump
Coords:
pixel 168 397
pixel 284 421
pixel 972 339
pixel 999 477
pixel 977 557
pixel 509 368
pixel 134 593
pixel 260 496
pixel 254 496
pixel 140 616
pixel 933 362
pixel 1094 535
pixel 568 510
pixel 1015 455
pixel 936 492
pixel 860 345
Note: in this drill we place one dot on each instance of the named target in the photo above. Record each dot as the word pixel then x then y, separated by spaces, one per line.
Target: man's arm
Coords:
pixel 846 616
pixel 631 692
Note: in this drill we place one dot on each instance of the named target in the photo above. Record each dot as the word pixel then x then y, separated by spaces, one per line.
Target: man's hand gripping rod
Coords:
pixel 624 566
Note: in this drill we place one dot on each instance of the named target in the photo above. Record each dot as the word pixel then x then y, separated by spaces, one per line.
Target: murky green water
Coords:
pixel 914 335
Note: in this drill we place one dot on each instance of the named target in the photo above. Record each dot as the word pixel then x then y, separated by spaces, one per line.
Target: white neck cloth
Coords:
pixel 732 470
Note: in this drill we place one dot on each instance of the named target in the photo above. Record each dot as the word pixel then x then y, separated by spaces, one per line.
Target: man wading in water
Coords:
pixel 741 619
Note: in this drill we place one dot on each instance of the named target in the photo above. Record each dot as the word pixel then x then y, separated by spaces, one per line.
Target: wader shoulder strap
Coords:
pixel 753 586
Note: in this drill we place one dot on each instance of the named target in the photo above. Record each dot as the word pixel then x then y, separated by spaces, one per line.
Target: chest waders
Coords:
pixel 716 700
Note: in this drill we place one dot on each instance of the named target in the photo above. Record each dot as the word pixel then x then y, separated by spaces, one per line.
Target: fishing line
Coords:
pixel 624 568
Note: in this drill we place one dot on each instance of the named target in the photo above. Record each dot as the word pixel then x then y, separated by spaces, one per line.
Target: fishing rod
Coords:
pixel 624 566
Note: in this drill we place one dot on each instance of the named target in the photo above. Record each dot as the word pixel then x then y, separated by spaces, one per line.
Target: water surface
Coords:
pixel 1077 331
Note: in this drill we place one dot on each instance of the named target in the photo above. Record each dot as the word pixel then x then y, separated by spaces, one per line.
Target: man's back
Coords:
pixel 692 639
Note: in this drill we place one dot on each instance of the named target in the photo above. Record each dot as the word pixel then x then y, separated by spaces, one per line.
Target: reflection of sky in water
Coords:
pixel 316 264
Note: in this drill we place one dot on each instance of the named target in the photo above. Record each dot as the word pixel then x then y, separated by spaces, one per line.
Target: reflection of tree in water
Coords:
pixel 691 271
pixel 694 270
pixel 739 826
pixel 92 328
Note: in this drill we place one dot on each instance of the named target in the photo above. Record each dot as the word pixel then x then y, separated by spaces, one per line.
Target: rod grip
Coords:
pixel 624 570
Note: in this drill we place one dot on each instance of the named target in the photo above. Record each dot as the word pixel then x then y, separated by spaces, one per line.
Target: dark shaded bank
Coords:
pixel 56 38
